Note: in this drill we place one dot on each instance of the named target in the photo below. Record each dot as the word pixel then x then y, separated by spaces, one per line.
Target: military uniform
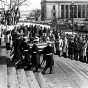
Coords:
pixel 48 55
pixel 17 51
pixel 26 51
pixel 35 57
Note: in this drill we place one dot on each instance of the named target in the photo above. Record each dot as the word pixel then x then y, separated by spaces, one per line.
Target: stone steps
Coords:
pixel 31 79
pixel 10 77
pixel 77 65
pixel 3 76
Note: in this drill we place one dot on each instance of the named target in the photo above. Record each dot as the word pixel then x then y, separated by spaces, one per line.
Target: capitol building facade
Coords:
pixel 64 9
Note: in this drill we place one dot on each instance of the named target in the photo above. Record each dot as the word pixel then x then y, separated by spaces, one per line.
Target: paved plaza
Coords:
pixel 67 73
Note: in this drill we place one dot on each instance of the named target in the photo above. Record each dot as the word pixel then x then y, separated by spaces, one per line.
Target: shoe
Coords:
pixel 43 72
pixel 50 72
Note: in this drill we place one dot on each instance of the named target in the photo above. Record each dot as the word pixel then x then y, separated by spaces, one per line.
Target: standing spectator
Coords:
pixel 57 47
pixel 84 51
pixel 87 54
pixel 71 48
pixel 60 46
pixel 65 47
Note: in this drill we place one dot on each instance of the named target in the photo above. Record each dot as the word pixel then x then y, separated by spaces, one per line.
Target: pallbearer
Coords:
pixel 35 57
pixel 26 52
pixel 48 55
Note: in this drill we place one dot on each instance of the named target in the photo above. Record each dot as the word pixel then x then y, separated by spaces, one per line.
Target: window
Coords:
pixel 79 11
pixel 75 11
pixel 62 11
pixel 83 11
pixel 87 11
pixel 67 12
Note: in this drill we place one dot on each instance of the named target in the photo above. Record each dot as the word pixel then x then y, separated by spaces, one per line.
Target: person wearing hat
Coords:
pixel 26 52
pixel 35 59
pixel 48 57
pixel 17 50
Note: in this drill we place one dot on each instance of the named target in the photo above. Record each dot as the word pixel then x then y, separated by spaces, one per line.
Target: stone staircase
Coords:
pixel 10 77
pixel 78 66
pixel 3 45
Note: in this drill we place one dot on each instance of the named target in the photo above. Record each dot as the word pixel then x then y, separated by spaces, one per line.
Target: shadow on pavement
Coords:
pixel 5 61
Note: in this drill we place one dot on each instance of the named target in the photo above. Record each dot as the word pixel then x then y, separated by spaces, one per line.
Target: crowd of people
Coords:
pixel 23 42
pixel 10 17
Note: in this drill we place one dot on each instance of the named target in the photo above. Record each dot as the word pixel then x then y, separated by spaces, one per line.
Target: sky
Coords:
pixel 27 5
pixel 31 5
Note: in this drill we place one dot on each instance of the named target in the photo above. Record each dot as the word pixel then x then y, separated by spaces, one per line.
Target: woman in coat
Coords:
pixel 84 52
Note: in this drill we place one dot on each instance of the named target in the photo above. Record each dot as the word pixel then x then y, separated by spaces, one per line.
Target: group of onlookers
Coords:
pixel 74 47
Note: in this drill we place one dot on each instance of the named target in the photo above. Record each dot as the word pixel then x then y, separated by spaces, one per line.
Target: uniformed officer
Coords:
pixel 48 55
pixel 35 57
pixel 17 50
pixel 26 52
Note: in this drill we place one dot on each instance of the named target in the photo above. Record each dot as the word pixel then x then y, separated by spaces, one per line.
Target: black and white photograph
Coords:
pixel 43 43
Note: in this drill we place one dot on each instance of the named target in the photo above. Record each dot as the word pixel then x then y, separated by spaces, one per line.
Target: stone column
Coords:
pixel 59 12
pixel 77 11
pixel 81 11
pixel 68 11
pixel 85 11
pixel 64 11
